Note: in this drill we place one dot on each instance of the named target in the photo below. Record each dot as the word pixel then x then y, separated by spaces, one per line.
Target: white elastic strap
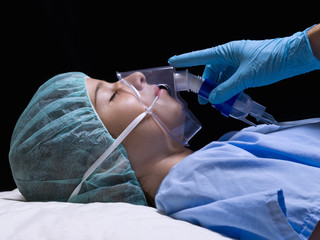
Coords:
pixel 110 149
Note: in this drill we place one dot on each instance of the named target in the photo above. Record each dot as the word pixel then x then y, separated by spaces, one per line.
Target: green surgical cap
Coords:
pixel 57 138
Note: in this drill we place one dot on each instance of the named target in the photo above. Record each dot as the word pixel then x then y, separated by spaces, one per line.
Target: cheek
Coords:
pixel 120 115
pixel 148 131
pixel 170 113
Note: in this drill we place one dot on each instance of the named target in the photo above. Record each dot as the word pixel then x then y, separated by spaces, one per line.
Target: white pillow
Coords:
pixel 114 221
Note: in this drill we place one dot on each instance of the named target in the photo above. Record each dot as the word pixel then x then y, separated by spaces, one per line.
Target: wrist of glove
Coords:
pixel 297 57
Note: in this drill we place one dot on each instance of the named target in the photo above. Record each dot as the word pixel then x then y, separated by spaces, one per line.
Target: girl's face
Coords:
pixel 117 106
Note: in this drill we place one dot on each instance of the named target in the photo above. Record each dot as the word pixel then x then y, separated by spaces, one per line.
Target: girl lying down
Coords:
pixel 262 181
pixel 72 143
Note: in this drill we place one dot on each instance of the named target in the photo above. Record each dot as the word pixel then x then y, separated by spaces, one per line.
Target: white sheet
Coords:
pixel 94 221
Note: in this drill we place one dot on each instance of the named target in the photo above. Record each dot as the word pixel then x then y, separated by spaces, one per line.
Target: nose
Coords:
pixel 137 79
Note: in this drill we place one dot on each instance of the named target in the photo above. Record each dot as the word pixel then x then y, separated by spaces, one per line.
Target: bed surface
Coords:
pixel 55 220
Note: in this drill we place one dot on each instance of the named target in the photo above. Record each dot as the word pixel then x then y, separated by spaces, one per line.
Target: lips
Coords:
pixel 158 92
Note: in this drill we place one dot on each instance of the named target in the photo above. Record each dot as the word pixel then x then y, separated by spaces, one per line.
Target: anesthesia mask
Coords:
pixel 163 82
pixel 239 106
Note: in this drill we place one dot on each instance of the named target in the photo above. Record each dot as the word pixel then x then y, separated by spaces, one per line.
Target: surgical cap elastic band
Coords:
pixel 112 147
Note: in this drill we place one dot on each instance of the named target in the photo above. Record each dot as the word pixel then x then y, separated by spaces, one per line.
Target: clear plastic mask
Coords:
pixel 170 110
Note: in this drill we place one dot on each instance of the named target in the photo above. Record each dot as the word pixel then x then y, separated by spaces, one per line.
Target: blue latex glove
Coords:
pixel 243 64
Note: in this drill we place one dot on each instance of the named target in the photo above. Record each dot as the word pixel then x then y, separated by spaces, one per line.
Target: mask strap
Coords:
pixel 112 147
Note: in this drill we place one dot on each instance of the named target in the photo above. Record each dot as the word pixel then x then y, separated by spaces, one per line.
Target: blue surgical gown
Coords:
pixel 259 183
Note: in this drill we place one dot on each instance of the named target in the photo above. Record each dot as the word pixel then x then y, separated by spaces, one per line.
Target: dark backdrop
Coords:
pixel 44 38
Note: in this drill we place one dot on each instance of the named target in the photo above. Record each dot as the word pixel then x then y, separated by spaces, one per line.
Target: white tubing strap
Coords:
pixel 112 147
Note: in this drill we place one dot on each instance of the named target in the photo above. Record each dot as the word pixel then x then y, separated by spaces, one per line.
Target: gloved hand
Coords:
pixel 243 64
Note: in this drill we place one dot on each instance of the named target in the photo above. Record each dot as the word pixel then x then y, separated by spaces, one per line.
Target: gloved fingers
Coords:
pixel 218 73
pixel 202 100
pixel 226 73
pixel 211 72
pixel 227 89
pixel 215 55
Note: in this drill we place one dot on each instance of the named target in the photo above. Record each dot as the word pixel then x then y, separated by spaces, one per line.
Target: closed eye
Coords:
pixel 113 96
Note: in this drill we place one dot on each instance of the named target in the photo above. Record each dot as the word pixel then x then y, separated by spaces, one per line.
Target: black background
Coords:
pixel 44 38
